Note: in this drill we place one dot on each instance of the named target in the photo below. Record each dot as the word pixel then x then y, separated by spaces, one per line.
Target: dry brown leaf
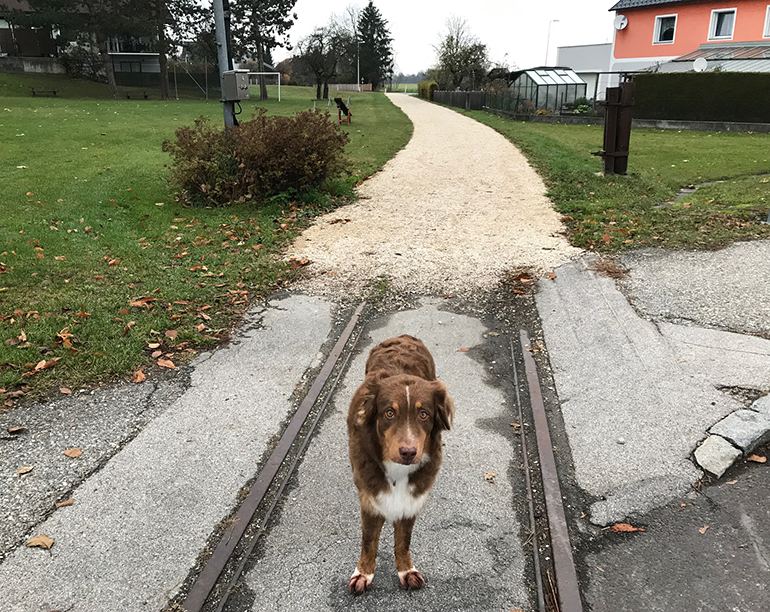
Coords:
pixel 138 376
pixel 463 350
pixel 757 458
pixel 25 469
pixel 201 327
pixel 490 476
pixel 494 334
pixel 732 482
pixel 171 333
pixel 128 327
pixel 65 390
pixel 552 276
pixel 153 345
pixel 156 354
pixel 166 363
pixel 17 430
pixel 624 528
pixel 73 453
pixel 43 541
pixel 703 529
pixel 66 502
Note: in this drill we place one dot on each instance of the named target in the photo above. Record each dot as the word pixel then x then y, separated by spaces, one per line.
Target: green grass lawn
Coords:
pixel 101 270
pixel 611 213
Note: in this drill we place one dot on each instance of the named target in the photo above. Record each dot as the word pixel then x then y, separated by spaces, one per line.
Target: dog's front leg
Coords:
pixel 371 526
pixel 408 576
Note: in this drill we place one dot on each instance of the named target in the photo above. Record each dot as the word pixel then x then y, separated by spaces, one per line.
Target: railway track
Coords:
pixel 217 585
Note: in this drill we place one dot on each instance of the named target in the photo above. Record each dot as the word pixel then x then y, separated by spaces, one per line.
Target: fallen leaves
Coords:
pixel 166 363
pixel 24 469
pixel 41 541
pixel 65 503
pixel 65 390
pixel 490 476
pixel 756 458
pixel 73 453
pixel 703 529
pixel 625 528
pixel 139 376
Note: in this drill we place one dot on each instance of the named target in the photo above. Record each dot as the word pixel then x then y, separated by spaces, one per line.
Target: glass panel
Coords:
pixel 665 30
pixel 724 23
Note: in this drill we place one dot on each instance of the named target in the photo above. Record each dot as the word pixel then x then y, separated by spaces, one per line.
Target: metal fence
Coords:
pixel 469 100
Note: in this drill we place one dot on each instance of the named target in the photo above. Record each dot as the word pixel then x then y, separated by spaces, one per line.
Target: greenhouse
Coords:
pixel 546 88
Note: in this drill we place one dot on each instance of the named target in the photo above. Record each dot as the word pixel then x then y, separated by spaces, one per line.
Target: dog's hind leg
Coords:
pixel 408 576
pixel 371 526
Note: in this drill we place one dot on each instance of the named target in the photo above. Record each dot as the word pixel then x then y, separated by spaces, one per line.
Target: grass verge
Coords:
pixel 101 271
pixel 612 213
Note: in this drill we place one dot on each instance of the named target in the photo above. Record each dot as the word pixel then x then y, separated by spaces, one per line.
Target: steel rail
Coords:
pixel 528 484
pixel 209 575
pixel 567 585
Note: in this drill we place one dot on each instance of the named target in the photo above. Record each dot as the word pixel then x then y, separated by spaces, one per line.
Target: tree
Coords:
pixel 259 26
pixel 462 59
pixel 375 48
pixel 319 51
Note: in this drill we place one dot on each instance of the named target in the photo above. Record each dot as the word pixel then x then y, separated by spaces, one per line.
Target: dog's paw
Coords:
pixel 411 579
pixel 359 583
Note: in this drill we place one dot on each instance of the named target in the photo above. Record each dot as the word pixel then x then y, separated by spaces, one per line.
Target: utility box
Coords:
pixel 235 85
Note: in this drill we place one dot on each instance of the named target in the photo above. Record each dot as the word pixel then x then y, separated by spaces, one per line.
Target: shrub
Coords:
pixel 426 88
pixel 258 159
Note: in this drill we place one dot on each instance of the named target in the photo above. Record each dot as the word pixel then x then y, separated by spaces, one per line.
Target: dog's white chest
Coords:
pixel 398 502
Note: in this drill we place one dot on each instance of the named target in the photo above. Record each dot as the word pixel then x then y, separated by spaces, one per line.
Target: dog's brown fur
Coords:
pixel 394 432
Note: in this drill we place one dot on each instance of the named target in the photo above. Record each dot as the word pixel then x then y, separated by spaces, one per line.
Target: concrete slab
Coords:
pixel 98 422
pixel 727 289
pixel 722 359
pixel 467 543
pixel 137 525
pixel 618 378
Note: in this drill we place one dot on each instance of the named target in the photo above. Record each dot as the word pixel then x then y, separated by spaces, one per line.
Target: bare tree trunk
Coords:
pixel 326 89
pixel 261 64
pixel 318 89
pixel 108 67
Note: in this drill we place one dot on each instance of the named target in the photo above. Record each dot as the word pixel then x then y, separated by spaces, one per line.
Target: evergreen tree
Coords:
pixel 375 49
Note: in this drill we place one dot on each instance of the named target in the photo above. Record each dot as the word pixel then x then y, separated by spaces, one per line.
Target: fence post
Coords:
pixel 617 128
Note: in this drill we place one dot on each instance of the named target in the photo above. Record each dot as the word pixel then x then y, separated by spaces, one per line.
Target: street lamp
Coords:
pixel 548 40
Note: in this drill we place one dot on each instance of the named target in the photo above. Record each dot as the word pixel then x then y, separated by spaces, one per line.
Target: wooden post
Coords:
pixel 617 128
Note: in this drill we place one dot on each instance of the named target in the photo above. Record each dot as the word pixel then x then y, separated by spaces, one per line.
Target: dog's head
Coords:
pixel 407 413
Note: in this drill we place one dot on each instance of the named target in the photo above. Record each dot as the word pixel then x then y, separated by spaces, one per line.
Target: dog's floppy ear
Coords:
pixel 445 407
pixel 366 397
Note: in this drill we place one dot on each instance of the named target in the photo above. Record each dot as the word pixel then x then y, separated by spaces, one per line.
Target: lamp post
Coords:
pixel 548 40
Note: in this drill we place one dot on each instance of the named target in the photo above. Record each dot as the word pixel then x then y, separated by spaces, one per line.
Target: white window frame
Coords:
pixel 766 33
pixel 655 32
pixel 713 24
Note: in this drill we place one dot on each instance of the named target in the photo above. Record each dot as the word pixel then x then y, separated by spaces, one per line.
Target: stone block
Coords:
pixel 716 454
pixel 746 429
pixel 762 405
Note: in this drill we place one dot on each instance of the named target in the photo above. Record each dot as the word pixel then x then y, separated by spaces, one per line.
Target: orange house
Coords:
pixel 648 32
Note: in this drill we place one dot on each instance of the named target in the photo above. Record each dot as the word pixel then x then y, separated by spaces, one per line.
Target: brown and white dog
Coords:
pixel 394 433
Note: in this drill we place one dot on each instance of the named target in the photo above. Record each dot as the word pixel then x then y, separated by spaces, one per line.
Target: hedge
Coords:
pixel 703 96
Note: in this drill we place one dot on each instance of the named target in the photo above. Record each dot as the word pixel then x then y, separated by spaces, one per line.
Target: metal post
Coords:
pixel 221 19
pixel 548 40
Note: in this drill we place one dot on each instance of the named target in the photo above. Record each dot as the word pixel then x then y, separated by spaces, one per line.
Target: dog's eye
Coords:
pixel 424 414
pixel 390 413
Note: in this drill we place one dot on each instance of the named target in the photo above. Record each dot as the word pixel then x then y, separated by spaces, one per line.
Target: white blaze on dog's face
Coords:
pixel 408 408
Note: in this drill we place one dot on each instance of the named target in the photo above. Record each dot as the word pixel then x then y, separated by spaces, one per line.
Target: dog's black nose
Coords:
pixel 408 453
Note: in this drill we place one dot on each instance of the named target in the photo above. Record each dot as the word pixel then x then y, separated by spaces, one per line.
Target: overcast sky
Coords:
pixel 518 28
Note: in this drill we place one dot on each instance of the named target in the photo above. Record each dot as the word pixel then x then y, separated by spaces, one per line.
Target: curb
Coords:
pixel 735 436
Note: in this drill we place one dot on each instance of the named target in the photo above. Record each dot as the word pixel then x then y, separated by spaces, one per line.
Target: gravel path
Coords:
pixel 449 214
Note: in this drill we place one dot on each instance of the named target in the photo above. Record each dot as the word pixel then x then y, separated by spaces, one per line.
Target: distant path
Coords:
pixel 452 211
